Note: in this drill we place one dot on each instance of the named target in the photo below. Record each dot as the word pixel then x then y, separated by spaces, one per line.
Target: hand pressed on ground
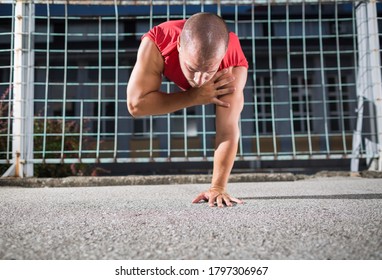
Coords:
pixel 221 198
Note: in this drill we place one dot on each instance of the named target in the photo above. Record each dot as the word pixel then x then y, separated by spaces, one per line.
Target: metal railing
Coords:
pixel 313 88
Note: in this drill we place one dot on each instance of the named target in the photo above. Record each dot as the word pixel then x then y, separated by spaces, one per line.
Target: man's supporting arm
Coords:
pixel 226 143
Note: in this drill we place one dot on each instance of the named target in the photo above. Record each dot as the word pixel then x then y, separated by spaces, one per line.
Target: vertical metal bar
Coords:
pixel 322 67
pixel 99 87
pixel 375 74
pixel 340 78
pixel 185 132
pixel 23 75
pixel 253 32
pixel 46 81
pixel 168 129
pixel 168 136
pixel 81 130
pixel 18 107
pixel 151 137
pixel 355 49
pixel 275 152
pixel 219 11
pixel 293 140
pixel 368 89
pixel 236 18
pixel 184 9
pixel 204 131
pixel 306 80
pixel 151 117
pixel 360 84
pixel 65 84
pixel 116 84
pixel 29 94
pixel 151 13
pixel 240 119
pixel 168 10
pixel 369 81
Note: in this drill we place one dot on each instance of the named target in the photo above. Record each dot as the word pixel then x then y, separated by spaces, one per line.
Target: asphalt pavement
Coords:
pixel 314 218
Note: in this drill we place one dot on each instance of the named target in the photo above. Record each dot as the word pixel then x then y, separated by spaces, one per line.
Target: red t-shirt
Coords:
pixel 165 36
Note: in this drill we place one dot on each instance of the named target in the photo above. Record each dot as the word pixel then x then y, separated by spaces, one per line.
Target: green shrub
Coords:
pixel 53 144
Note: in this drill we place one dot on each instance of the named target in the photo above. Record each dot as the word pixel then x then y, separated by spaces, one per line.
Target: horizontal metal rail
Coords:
pixel 172 2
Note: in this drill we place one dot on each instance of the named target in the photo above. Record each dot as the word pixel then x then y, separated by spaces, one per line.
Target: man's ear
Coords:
pixel 178 44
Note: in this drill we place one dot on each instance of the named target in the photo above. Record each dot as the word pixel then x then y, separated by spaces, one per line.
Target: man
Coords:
pixel 208 64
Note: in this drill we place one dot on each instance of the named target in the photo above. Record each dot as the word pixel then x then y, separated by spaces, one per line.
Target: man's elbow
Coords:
pixel 134 107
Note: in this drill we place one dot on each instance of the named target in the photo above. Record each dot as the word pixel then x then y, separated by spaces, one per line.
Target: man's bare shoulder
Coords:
pixel 149 56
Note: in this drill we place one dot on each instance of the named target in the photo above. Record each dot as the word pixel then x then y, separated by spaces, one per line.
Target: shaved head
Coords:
pixel 202 46
pixel 206 36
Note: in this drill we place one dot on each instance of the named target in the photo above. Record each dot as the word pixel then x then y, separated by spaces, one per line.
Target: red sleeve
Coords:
pixel 165 35
pixel 157 35
pixel 234 56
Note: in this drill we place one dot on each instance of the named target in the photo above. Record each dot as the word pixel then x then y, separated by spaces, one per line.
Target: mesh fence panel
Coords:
pixel 300 96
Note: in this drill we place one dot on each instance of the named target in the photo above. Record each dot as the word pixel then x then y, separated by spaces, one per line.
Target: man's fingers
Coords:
pixel 212 199
pixel 221 103
pixel 223 82
pixel 236 200
pixel 220 93
pixel 217 198
pixel 220 74
pixel 224 91
pixel 227 201
pixel 219 201
pixel 200 197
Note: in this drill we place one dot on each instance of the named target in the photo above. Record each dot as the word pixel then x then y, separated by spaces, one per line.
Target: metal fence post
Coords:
pixel 23 92
pixel 368 83
pixel 375 73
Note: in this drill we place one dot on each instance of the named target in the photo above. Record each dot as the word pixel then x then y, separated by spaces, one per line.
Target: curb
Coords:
pixel 85 181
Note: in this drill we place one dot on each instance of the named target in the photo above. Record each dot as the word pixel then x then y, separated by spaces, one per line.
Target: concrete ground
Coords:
pixel 313 218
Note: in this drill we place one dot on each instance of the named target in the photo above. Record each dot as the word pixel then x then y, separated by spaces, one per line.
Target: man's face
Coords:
pixel 197 71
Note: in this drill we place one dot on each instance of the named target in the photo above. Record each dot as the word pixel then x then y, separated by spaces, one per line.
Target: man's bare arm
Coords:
pixel 227 136
pixel 143 91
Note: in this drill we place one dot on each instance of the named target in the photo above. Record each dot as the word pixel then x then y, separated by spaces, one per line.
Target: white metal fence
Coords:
pixel 313 89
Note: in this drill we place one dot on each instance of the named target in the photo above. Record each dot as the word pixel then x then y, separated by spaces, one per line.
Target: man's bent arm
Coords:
pixel 143 95
pixel 143 91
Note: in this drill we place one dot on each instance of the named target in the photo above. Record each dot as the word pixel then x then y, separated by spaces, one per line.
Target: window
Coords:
pixel 301 106
pixel 107 114
pixel 89 32
pixel 264 105
pixel 338 103
pixel 178 120
pixel 141 127
pixel 4 80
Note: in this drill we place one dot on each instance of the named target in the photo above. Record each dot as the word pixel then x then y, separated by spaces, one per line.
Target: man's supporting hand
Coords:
pixel 218 197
